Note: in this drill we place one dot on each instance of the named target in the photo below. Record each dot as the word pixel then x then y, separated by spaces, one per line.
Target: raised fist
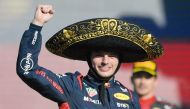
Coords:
pixel 43 14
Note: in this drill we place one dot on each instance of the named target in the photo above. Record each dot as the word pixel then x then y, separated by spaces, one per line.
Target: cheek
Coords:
pixel 152 84
pixel 115 62
pixel 94 62
pixel 136 82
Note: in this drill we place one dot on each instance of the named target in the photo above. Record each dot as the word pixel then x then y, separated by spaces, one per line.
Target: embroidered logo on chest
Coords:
pixel 123 105
pixel 123 89
pixel 91 92
pixel 121 96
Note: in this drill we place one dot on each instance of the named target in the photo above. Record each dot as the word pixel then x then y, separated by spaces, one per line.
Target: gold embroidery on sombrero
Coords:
pixel 105 27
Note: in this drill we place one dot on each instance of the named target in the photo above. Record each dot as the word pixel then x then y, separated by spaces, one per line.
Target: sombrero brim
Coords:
pixel 128 40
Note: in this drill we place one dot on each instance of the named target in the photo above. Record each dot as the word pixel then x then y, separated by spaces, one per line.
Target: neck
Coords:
pixel 147 103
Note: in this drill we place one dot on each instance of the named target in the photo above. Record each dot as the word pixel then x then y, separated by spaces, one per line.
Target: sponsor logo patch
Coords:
pixel 60 75
pixel 27 63
pixel 91 92
pixel 35 37
pixel 123 105
pixel 123 89
pixel 54 84
pixel 91 100
pixel 121 96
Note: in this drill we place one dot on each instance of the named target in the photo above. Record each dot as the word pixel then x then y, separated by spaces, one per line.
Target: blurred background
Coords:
pixel 168 20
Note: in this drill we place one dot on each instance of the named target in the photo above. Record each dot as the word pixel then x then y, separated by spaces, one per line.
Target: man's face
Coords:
pixel 105 63
pixel 144 85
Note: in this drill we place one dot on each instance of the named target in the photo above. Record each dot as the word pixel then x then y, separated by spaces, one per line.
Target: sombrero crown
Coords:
pixel 130 41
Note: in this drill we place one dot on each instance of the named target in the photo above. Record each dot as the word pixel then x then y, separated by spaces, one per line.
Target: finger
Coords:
pixel 51 11
pixel 46 9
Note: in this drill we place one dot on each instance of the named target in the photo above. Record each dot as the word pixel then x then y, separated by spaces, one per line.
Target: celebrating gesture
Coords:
pixel 43 14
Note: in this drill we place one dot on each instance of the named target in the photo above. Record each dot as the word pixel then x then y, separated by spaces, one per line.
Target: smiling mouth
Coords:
pixel 143 87
pixel 104 69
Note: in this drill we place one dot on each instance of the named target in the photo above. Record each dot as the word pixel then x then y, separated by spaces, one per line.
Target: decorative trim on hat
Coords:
pixel 101 27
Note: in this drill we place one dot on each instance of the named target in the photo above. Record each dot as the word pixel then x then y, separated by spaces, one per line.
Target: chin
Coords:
pixel 142 93
pixel 105 76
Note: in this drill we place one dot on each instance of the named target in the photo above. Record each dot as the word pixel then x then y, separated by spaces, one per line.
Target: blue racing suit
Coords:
pixel 70 90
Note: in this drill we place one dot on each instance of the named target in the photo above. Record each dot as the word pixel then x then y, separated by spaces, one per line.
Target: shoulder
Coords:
pixel 69 74
pixel 72 77
pixel 123 88
pixel 163 104
pixel 133 95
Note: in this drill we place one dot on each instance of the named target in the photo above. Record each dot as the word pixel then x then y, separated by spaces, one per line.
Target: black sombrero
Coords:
pixel 129 40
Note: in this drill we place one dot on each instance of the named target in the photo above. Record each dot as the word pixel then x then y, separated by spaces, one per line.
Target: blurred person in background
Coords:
pixel 104 43
pixel 144 80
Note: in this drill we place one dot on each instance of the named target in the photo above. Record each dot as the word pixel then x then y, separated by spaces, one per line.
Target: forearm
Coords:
pixel 27 61
pixel 30 46
pixel 40 79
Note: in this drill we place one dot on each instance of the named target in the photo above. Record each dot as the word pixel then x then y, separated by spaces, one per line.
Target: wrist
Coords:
pixel 38 23
pixel 35 27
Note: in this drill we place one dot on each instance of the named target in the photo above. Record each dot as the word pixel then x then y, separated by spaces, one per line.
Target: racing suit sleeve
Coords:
pixel 44 81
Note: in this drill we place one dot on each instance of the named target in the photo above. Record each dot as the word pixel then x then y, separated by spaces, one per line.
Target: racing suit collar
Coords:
pixel 99 84
pixel 95 82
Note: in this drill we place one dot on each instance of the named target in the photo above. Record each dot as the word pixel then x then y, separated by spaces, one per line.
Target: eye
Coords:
pixel 148 76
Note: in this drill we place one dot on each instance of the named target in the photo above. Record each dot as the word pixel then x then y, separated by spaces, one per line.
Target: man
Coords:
pixel 144 79
pixel 104 43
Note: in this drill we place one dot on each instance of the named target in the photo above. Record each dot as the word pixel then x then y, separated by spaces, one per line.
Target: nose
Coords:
pixel 143 79
pixel 105 59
